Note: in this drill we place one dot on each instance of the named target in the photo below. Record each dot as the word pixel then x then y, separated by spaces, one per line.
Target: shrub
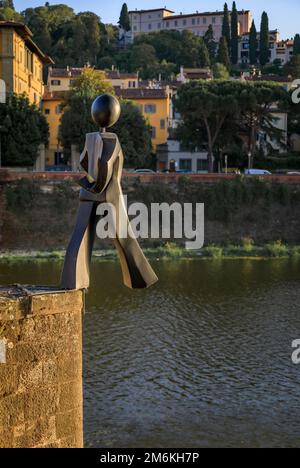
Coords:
pixel 277 249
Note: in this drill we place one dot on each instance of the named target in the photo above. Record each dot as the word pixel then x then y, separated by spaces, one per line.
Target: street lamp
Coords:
pixel 226 163
pixel 249 160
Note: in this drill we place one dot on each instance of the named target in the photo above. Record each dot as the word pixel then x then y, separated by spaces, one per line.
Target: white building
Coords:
pixel 162 19
pixel 173 156
pixel 278 50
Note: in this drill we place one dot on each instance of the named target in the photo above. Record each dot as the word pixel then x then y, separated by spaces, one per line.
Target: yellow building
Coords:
pixel 155 106
pixel 21 61
pixel 52 108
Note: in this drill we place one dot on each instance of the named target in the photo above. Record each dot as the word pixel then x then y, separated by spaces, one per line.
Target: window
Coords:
pixel 214 20
pixel 176 23
pixel 149 26
pixel 159 25
pixel 193 21
pixel 204 20
pixel 55 82
pixel 202 165
pixel 150 108
pixel 185 165
pixel 198 20
pixel 58 109
pixel 153 132
pixel 47 111
pixel 162 124
pixel 184 22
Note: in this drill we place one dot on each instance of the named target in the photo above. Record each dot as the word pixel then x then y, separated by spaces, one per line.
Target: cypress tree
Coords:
pixel 297 44
pixel 210 43
pixel 234 35
pixel 226 25
pixel 264 40
pixel 253 44
pixel 223 54
pixel 124 18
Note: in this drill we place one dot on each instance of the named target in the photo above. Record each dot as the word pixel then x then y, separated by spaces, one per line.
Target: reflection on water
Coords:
pixel 202 359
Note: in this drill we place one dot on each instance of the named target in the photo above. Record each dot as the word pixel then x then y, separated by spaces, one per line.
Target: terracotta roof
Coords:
pixel 26 34
pixel 70 72
pixel 208 13
pixel 115 75
pixel 55 95
pixel 142 93
pixel 149 11
pixel 65 72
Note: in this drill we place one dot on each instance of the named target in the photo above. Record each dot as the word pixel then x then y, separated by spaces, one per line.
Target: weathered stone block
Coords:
pixel 41 381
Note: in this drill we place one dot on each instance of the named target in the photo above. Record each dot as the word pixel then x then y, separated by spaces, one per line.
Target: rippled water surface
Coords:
pixel 203 359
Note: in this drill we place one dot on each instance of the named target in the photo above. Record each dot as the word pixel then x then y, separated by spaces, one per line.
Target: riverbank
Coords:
pixel 171 251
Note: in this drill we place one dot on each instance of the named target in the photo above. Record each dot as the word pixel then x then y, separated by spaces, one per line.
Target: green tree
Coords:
pixel 257 111
pixel 124 22
pixel 7 4
pixel 293 66
pixel 143 59
pixel 226 25
pixel 76 120
pixel 134 135
pixel 205 107
pixel 234 35
pixel 25 128
pixel 223 53
pixel 210 43
pixel 9 14
pixel 220 72
pixel 297 44
pixel 264 53
pixel 253 44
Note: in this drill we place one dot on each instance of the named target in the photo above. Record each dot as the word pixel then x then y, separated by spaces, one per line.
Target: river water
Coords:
pixel 203 359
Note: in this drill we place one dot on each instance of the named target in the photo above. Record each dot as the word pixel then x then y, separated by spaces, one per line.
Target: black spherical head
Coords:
pixel 106 110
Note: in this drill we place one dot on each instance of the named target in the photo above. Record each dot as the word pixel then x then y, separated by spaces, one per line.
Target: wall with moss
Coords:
pixel 39 215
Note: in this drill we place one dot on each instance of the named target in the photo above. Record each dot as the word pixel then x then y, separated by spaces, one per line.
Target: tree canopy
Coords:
pixel 216 112
pixel 264 40
pixel 132 129
pixel 124 22
pixel 234 35
pixel 23 129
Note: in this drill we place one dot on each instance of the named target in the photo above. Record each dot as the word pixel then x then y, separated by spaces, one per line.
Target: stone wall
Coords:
pixel 41 369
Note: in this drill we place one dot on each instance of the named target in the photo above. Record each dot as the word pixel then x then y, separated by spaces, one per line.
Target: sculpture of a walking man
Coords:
pixel 102 160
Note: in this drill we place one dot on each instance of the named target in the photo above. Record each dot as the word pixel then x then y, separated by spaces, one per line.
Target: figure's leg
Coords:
pixel 76 270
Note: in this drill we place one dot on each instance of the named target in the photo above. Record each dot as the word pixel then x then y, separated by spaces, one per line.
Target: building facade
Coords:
pixel 162 19
pixel 21 61
pixel 172 156
pixel 278 50
pixel 155 107
pixel 61 79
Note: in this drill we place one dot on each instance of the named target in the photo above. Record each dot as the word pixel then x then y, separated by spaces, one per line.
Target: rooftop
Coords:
pixel 26 35
pixel 70 72
pixel 207 13
pixel 142 93
pixel 152 10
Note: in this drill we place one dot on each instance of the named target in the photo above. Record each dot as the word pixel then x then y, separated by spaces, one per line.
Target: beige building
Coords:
pixel 162 19
pixel 61 79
